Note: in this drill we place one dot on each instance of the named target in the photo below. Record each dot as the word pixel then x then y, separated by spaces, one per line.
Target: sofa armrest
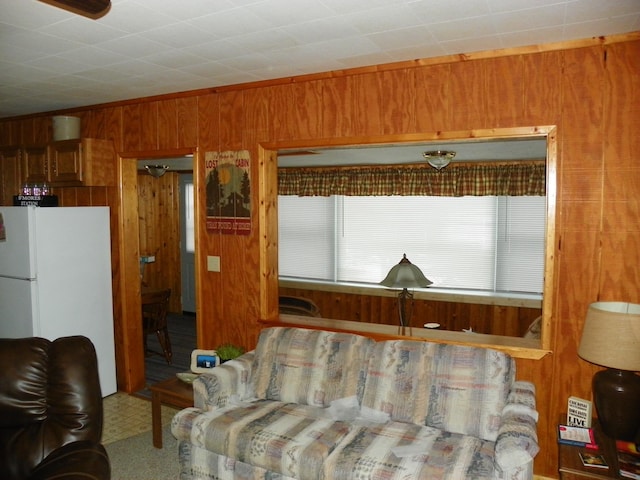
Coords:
pixel 81 460
pixel 213 390
pixel 517 442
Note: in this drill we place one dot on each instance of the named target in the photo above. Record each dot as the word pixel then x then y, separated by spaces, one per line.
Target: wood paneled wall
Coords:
pixel 490 319
pixel 589 89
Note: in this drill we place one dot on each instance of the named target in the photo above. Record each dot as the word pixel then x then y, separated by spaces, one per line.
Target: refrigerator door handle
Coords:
pixel 18 278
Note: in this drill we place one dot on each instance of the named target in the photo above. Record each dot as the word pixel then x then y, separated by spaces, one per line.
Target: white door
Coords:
pixel 187 243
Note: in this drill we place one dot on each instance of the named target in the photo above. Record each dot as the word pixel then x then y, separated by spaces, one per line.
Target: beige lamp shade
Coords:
pixel 611 335
pixel 405 275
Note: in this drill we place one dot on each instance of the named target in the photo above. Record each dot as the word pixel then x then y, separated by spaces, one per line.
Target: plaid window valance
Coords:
pixel 512 179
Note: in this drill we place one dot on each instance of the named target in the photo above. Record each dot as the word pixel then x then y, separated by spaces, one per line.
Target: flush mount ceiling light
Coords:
pixel 439 159
pixel 156 170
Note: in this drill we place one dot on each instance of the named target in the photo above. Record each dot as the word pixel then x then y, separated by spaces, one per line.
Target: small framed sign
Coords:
pixel 202 361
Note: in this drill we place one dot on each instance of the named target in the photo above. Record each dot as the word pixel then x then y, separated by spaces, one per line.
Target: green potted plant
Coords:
pixel 228 351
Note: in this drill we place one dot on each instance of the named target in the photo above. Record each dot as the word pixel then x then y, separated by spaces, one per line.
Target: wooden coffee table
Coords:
pixel 172 392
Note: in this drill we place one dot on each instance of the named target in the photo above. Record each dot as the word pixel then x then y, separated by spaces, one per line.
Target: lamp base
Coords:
pixel 616 395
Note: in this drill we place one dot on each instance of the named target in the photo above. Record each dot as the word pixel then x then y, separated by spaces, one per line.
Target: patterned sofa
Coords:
pixel 310 404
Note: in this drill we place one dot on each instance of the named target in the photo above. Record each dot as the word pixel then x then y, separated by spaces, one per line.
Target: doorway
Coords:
pixel 130 354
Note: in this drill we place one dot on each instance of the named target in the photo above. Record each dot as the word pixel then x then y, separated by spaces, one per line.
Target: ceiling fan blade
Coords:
pixel 86 7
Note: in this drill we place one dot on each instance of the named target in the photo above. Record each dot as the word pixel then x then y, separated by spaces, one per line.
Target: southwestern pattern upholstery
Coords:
pixel 309 404
pixel 310 367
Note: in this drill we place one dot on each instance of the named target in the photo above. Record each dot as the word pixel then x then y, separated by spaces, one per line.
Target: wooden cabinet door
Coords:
pixel 66 160
pixel 35 164
pixel 10 180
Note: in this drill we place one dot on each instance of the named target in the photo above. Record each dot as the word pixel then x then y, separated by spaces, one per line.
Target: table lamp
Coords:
pixel 611 338
pixel 405 275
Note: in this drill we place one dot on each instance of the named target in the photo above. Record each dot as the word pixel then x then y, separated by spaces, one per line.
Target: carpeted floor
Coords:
pixel 135 458
pixel 182 332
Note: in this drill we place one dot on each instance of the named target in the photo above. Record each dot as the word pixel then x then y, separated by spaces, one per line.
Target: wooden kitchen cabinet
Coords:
pixel 82 162
pixel 10 175
pixel 69 163
pixel 34 164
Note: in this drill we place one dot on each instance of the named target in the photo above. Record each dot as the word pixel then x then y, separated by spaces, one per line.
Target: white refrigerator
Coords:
pixel 55 278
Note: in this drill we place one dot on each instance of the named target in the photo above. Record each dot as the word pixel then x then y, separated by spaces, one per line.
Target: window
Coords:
pixel 189 220
pixel 481 243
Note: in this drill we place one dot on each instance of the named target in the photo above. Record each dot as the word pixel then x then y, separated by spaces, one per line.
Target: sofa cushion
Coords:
pixel 454 388
pixel 398 451
pixel 285 438
pixel 308 367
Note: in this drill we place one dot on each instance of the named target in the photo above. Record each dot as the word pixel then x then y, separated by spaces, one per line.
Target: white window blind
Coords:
pixel 484 243
pixel 189 212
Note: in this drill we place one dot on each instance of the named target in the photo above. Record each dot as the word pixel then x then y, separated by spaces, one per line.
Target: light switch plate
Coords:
pixel 213 263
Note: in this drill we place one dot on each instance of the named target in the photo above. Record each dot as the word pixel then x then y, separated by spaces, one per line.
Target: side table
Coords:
pixel 172 392
pixel 570 466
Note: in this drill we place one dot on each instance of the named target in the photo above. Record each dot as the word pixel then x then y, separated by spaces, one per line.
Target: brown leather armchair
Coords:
pixel 50 410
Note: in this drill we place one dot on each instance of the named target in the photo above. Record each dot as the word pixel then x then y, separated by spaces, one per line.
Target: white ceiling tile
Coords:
pixel 186 9
pixel 100 74
pixel 475 27
pixel 381 19
pixel 230 23
pixel 350 6
pixel 286 12
pixel 359 60
pixel 479 44
pixel 322 29
pixel 93 56
pixel 177 35
pixel 416 52
pixel 587 10
pixel 57 64
pixel 217 50
pixel 542 17
pixel 534 36
pixel 135 17
pixel 30 14
pixel 173 58
pixel 41 42
pixel 18 54
pixel 132 46
pixel 275 39
pixel 498 6
pixel 136 68
pixel 346 48
pixel 81 30
pixel 208 69
pixel 436 11
pixel 250 61
pixel 402 38
pixel 52 58
pixel 599 28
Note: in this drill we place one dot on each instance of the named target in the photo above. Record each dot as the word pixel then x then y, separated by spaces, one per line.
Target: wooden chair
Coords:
pixel 298 306
pixel 154 320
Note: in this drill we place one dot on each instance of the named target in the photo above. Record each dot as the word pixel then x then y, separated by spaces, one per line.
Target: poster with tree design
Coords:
pixel 228 192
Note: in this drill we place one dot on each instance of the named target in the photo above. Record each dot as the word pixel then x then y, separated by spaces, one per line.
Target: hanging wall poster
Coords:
pixel 228 192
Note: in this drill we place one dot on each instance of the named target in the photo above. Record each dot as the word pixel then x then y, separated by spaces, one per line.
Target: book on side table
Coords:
pixel 592 459
pixel 577 436
pixel 628 459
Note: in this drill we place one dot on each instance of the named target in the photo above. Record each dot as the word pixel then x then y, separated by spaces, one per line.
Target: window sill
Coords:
pixel 517 347
pixel 514 346
pixel 433 294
